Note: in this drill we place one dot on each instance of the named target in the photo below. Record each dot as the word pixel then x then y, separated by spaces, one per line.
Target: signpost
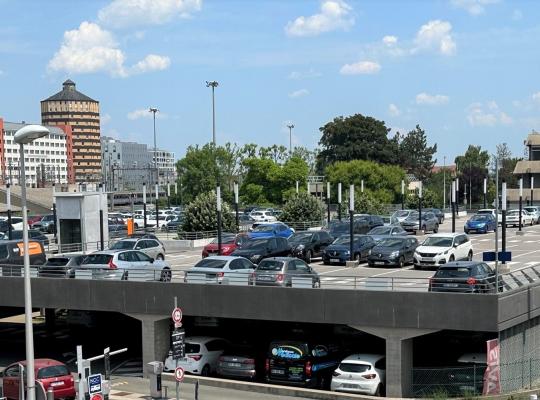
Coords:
pixel 179 374
pixel 94 384
pixel 177 341
pixel 177 317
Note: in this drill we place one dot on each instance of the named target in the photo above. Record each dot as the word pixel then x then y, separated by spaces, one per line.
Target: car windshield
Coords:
pixel 380 230
pixel 255 244
pixel 48 218
pixel 97 259
pixel 530 209
pixel 211 263
pixel 343 240
pixel 458 272
pixel 480 217
pixel 224 240
pixel 192 348
pixel 413 216
pixel 391 242
pixel 57 261
pixel 513 212
pixel 53 371
pixel 123 245
pixel 270 265
pixel 353 367
pixel 438 242
pixel 485 212
pixel 264 228
pixel 301 238
pixel 339 227
pixel 401 213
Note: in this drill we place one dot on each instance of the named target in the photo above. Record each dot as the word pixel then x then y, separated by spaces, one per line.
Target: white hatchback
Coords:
pixel 263 216
pixel 360 373
pixel 441 248
pixel 201 355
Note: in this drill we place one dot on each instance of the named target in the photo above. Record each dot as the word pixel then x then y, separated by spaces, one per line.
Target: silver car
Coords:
pixel 221 269
pixel 126 264
pixel 535 212
pixel 150 247
pixel 280 271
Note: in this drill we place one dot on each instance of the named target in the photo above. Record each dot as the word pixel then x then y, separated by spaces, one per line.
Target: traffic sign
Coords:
pixel 97 396
pixel 179 374
pixel 177 317
pixel 505 256
pixel 177 341
pixel 94 384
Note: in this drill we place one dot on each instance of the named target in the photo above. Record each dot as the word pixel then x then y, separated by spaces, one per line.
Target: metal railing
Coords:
pixel 444 382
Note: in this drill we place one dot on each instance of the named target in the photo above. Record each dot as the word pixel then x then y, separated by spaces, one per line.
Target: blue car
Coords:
pixel 277 229
pixel 482 223
pixel 339 251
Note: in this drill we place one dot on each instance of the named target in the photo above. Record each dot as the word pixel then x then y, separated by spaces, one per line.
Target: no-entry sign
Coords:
pixel 179 374
pixel 177 317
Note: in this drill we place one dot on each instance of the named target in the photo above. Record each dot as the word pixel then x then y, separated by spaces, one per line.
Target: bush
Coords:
pixel 429 199
pixel 302 208
pixel 201 215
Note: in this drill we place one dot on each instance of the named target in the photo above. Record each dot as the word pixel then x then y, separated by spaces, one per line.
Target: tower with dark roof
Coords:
pixel 73 108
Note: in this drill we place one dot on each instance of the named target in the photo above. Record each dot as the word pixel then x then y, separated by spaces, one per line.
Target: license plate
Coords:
pixel 266 278
pixel 54 384
pixel 350 385
pixel 234 364
pixel 379 263
pixel 450 285
pixel 427 259
pixel 277 371
pixel 334 260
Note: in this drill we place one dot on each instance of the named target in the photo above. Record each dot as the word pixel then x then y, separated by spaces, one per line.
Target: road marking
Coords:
pixel 335 270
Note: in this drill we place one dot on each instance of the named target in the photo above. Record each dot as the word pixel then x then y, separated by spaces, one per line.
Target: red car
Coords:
pixel 229 243
pixel 34 218
pixel 50 373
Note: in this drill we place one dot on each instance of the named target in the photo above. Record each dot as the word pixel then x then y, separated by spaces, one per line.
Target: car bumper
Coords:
pixel 429 261
pixel 303 383
pixel 237 373
pixel 369 388
pixel 62 393
pixel 339 259
pixel 192 367
pixel 383 261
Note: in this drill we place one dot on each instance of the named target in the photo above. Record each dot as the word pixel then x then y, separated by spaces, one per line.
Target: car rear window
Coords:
pixel 192 348
pixel 353 367
pixel 210 263
pixel 97 259
pixel 458 272
pixel 270 265
pixel 52 372
pixel 57 261
pixel 123 245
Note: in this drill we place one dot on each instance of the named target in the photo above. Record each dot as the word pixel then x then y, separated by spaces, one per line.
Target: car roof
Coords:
pixel 107 252
pixel 363 358
pixel 462 264
pixel 42 362
pixel 130 239
pixel 280 258
pixel 473 358
pixel 446 234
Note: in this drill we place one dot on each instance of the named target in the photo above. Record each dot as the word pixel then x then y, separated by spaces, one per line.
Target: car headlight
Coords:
pixel 394 254
pixel 300 247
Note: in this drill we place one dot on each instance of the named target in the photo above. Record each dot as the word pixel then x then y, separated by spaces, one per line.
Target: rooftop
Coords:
pixel 15 126
pixel 69 93
pixel 527 167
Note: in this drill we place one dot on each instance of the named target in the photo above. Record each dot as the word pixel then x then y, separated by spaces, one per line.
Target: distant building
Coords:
pixel 47 160
pixel 81 113
pixel 166 165
pixel 528 169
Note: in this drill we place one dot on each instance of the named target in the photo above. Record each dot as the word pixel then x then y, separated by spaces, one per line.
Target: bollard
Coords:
pixel 50 394
pixel 166 390
pixel 197 390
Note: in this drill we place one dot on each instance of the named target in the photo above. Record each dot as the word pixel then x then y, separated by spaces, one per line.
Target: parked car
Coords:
pixel 276 229
pixel 442 248
pixel 229 243
pixel 381 232
pixel 11 256
pixel 150 247
pixel 372 220
pixel 144 235
pixel 394 250
pixel 220 269
pixel 464 277
pixel 46 224
pixel 245 220
pixel 512 218
pixel 119 264
pixel 308 245
pixel 491 211
pixel 4 226
pixel 263 216
pixel 17 223
pixel 438 213
pixel 116 229
pixel 401 215
pixel 389 220
pixel 202 355
pixel 257 249
pixel 172 224
pixel 241 361
pixel 33 219
pixel 339 251
pixel 339 228
pixel 534 211
pixel 360 373
pixel 50 373
pixel 280 271
pixel 429 222
pixel 481 223
pixel 32 234
pixel 60 266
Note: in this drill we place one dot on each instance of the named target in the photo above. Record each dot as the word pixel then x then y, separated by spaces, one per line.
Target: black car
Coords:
pixel 257 249
pixel 340 228
pixel 60 266
pixel 4 226
pixel 463 277
pixel 339 251
pixel 393 250
pixel 33 234
pixel 372 220
pixel 438 213
pixel 306 245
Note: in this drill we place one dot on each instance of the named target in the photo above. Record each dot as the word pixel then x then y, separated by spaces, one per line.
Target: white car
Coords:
pixel 441 248
pixel 512 218
pixel 488 211
pixel 534 211
pixel 220 269
pixel 402 215
pixel 360 373
pixel 17 223
pixel 263 216
pixel 201 355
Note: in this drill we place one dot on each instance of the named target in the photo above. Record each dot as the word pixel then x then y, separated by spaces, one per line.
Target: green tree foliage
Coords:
pixel 429 199
pixel 201 215
pixel 356 138
pixel 507 164
pixel 415 156
pixel 367 203
pixel 472 169
pixel 302 208
pixel 382 181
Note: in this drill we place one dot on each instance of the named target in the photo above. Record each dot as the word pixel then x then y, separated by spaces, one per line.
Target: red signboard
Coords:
pixel 492 376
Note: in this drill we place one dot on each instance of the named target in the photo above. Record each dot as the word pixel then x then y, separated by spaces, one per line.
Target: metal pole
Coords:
pixel 444 183
pixel 532 190
pixel 214 119
pixel 101 239
pixel 328 200
pixel 157 207
pixel 497 224
pixel 168 195
pixel 29 329
pixel 402 194
pixel 290 126
pixel 144 204
pixel 485 192
pixel 296 187
pixel 351 221
pixel 470 186
pixel 55 227
pixel 218 207
pixel 520 202
pixel 453 206
pixel 236 206
pixel 420 207
pixel 503 204
pixel 457 197
pixel 8 195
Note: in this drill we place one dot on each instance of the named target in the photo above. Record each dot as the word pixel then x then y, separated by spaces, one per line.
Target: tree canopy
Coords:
pixel 472 169
pixel 415 156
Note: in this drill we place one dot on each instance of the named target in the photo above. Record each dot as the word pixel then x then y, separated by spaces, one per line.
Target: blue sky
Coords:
pixel 467 71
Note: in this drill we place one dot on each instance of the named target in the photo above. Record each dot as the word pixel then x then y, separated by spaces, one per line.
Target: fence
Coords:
pixel 442 382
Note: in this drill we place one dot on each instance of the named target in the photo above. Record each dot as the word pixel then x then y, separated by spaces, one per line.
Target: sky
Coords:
pixel 466 71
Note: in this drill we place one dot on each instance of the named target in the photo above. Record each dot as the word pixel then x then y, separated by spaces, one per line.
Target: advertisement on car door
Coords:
pixel 492 376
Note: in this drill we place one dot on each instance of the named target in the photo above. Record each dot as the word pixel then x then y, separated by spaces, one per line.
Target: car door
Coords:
pixel 368 244
pixel 461 250
pixel 10 381
pixel 151 248
pixel 284 247
pixel 325 240
pixel 411 246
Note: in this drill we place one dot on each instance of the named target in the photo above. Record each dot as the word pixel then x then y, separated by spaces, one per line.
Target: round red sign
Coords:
pixel 97 396
pixel 178 374
pixel 177 315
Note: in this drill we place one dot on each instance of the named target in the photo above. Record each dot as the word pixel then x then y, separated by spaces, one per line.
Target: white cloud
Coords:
pixel 431 99
pixel 517 15
pixel 298 93
pixel 144 113
pixel 334 14
pixel 91 49
pixel 473 7
pixel 536 96
pixel 361 67
pixel 311 73
pixel 393 110
pixel 127 13
pixel 390 40
pixel 490 114
pixel 436 36
pixel 105 119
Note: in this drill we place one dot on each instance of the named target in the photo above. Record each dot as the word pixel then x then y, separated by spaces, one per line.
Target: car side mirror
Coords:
pixel 455 245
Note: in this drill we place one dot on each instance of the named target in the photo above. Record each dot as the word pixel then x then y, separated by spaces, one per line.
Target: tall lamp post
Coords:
pixel 168 195
pixel 520 202
pixel 213 85
pixel 351 221
pixel 328 200
pixel 457 196
pixel 532 190
pixel 503 211
pixel 144 204
pixel 236 205
pixel 24 136
pixel 157 206
pixel 453 205
pixel 402 194
pixel 444 184
pixel 154 110
pixel 420 209
pixel 218 207
pixel 339 200
pixel 485 192
pixel 290 126
pixel 8 196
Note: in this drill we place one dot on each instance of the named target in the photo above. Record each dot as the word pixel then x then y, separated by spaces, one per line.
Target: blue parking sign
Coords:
pixel 94 384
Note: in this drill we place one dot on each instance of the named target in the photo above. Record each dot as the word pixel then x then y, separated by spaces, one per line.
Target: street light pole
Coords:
pixel 24 136
pixel 339 200
pixel 144 204
pixel 453 205
pixel 290 126
pixel 351 221
pixel 328 200
pixel 532 190
pixel 420 208
pixel 218 207
pixel 402 194
pixel 236 206
pixel 213 85
pixel 520 202
pixel 8 196
pixel 485 192
pixel 154 110
pixel 444 183
pixel 503 206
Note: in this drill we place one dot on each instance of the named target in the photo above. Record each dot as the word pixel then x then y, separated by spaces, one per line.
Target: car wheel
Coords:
pixel 308 257
pixel 357 258
pixel 136 226
pixel 166 275
pixel 160 257
pixel 401 262
pixel 378 391
pixel 466 230
pixel 317 284
pixel 436 229
pixel 416 266
pixel 325 262
pixel 470 255
pixel 206 370
pixel 452 258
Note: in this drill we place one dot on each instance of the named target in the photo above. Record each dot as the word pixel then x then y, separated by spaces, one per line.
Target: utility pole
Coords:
pixel 154 110
pixel 213 85
pixel 290 126
pixel 351 222
pixel 339 201
pixel 444 183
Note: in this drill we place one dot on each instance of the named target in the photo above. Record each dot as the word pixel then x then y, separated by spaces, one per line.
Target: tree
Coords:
pixel 367 203
pixel 302 208
pixel 415 156
pixel 429 200
pixel 356 138
pixel 309 156
pixel 472 169
pixel 201 215
pixel 507 164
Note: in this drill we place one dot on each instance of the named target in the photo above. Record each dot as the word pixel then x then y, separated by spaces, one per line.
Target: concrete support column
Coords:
pixel 155 338
pixel 50 318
